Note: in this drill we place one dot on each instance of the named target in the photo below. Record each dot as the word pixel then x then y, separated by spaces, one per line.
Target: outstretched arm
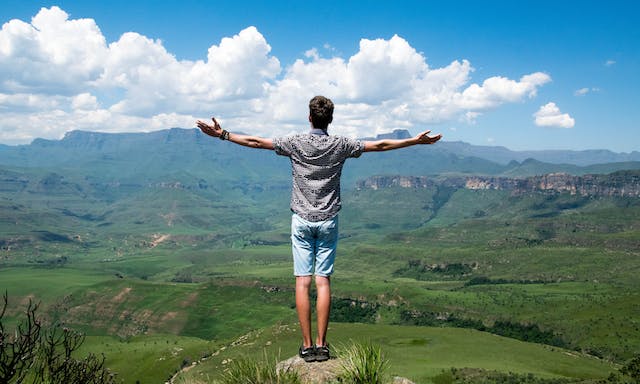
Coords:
pixel 216 130
pixel 389 144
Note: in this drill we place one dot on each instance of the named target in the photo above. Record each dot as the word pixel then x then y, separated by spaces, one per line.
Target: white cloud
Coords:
pixel 471 117
pixel 584 91
pixel 581 92
pixel 52 55
pixel 383 70
pixel 609 63
pixel 549 115
pixel 63 72
pixel 498 90
pixel 84 101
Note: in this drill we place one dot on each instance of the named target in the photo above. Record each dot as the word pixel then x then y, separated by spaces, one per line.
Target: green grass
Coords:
pixel 420 353
pixel 257 371
pixel 45 286
pixel 116 284
pixel 148 359
pixel 363 363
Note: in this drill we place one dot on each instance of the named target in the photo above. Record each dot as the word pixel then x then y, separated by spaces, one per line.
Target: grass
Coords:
pixel 148 359
pixel 254 371
pixel 115 284
pixel 363 364
pixel 420 353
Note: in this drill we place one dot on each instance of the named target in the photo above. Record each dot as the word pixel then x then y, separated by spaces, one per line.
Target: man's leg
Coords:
pixel 302 246
pixel 325 257
pixel 303 284
pixel 323 306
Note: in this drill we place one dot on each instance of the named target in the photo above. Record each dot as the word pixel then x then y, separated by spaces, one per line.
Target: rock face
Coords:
pixel 621 184
pixel 379 182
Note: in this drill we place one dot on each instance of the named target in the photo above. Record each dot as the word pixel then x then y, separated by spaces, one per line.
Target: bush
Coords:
pixel 363 364
pixel 353 311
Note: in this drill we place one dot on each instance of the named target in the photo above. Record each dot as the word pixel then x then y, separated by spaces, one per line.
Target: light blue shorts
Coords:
pixel 314 246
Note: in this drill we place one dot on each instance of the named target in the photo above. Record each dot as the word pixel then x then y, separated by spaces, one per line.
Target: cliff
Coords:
pixel 620 184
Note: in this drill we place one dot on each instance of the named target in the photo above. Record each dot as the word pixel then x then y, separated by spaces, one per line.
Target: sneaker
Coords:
pixel 322 353
pixel 307 354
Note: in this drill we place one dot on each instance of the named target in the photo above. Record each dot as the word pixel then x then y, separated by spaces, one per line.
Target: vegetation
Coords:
pixel 632 369
pixel 251 371
pixel 363 364
pixel 44 355
pixel 479 376
pixel 161 262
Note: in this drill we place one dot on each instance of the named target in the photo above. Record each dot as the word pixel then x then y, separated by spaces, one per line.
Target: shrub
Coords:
pixel 363 364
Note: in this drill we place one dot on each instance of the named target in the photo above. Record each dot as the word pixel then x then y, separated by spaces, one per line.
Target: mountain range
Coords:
pixel 176 154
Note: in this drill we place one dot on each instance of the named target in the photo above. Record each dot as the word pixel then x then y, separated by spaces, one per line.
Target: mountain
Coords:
pixel 175 154
pixel 503 155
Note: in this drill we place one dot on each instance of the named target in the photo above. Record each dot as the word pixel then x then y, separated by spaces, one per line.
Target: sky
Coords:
pixel 526 75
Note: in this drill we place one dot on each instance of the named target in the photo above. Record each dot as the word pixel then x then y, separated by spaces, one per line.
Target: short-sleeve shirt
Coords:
pixel 316 163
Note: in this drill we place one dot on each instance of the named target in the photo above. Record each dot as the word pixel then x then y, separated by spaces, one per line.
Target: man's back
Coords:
pixel 317 161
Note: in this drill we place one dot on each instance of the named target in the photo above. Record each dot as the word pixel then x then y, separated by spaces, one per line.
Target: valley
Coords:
pixel 166 249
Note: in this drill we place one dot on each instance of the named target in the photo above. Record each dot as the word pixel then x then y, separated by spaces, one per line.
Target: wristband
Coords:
pixel 224 135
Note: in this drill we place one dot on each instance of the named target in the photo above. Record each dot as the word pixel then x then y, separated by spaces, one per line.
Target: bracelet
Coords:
pixel 224 135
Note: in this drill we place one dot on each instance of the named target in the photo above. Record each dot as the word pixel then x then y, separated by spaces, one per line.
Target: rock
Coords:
pixel 402 380
pixel 321 373
pixel 313 373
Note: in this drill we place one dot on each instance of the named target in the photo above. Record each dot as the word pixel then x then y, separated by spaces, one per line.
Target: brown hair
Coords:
pixel 321 112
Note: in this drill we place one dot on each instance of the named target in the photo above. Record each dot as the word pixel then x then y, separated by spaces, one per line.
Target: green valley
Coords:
pixel 168 249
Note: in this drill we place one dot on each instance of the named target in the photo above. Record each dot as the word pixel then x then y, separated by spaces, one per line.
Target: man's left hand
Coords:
pixel 214 130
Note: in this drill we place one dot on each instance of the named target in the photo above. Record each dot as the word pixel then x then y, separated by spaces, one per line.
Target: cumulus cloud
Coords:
pixel 63 72
pixel 50 55
pixel 549 115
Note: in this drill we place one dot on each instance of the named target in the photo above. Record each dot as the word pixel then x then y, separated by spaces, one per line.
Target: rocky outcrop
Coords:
pixel 312 373
pixel 380 182
pixel 321 373
pixel 621 184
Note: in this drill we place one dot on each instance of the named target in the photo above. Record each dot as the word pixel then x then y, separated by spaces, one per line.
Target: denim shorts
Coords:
pixel 314 246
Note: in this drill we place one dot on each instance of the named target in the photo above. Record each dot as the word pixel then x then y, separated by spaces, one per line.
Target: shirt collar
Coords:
pixel 319 132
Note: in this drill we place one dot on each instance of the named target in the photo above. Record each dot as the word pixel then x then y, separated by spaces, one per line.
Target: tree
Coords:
pixel 44 355
pixel 18 349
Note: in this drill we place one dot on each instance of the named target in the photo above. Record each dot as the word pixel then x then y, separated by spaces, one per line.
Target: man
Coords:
pixel 316 159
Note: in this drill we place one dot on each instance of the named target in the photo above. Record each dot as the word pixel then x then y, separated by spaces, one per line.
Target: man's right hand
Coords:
pixel 424 138
pixel 214 130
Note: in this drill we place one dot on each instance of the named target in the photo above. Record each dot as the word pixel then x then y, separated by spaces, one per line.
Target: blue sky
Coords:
pixel 525 75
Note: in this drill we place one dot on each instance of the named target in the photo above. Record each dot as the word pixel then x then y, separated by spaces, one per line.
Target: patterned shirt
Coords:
pixel 316 162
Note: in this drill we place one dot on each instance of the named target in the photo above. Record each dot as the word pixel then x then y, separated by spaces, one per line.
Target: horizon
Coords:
pixel 360 138
pixel 530 76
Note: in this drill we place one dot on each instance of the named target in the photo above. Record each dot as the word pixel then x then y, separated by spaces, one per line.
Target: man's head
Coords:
pixel 320 112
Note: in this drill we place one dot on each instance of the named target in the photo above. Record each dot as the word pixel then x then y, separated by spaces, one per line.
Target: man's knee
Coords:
pixel 323 281
pixel 303 282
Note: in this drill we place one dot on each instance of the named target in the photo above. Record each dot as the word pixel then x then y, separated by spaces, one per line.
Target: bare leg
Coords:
pixel 323 306
pixel 303 284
